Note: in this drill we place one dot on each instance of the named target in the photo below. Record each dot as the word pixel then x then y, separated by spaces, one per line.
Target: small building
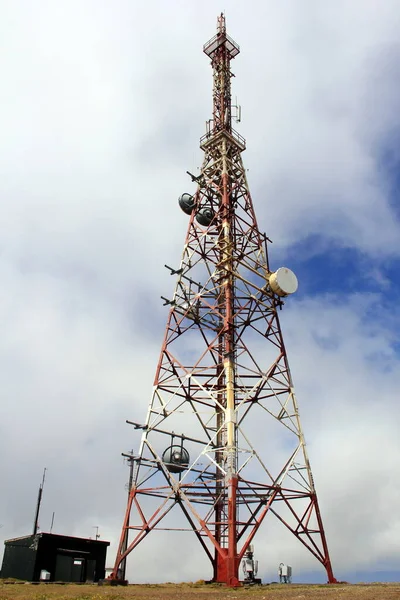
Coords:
pixel 64 558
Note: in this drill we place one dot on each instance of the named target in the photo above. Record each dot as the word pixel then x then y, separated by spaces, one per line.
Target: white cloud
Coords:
pixel 102 107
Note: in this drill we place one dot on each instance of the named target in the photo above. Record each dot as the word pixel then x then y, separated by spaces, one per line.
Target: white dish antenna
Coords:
pixel 283 282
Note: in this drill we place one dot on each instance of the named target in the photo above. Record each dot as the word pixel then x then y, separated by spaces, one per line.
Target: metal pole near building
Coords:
pixel 38 503
pixel 222 444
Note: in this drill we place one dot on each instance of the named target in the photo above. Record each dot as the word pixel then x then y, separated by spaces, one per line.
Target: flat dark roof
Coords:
pixel 59 536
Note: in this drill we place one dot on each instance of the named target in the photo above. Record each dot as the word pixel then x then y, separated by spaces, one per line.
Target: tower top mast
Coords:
pixel 221 49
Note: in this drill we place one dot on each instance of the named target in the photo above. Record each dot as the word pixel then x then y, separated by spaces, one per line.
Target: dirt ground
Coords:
pixel 198 591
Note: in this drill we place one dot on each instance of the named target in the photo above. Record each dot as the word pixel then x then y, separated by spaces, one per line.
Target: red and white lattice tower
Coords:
pixel 222 441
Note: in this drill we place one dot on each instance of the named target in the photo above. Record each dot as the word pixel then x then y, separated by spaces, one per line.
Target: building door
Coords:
pixel 77 571
pixel 69 568
pixel 63 568
pixel 91 570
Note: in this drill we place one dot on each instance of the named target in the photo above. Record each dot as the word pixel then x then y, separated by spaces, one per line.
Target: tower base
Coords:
pixel 255 581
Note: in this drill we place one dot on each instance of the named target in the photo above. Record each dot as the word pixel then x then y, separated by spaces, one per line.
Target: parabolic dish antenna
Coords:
pixel 283 282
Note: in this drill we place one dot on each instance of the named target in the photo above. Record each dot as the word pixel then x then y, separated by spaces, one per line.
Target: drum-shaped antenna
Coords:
pixel 176 459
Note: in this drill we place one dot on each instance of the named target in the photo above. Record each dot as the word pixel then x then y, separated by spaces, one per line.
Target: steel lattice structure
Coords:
pixel 208 445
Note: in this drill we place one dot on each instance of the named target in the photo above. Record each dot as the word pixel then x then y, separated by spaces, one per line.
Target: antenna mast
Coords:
pixel 39 501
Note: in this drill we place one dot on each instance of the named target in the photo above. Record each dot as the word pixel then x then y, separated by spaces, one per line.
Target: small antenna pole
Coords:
pixel 52 522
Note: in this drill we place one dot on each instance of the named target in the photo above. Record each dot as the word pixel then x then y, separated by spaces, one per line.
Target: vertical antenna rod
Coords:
pixel 39 500
pixel 52 522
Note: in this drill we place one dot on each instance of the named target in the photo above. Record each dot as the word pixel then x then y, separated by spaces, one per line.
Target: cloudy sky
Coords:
pixel 102 104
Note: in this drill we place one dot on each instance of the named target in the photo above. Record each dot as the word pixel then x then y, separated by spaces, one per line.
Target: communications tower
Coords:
pixel 222 440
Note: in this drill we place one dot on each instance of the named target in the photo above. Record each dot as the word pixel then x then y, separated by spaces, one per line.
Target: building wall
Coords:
pixel 65 558
pixel 19 558
pixel 60 554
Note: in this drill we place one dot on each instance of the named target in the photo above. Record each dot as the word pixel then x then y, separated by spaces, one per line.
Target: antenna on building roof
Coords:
pixel 39 500
pixel 52 522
